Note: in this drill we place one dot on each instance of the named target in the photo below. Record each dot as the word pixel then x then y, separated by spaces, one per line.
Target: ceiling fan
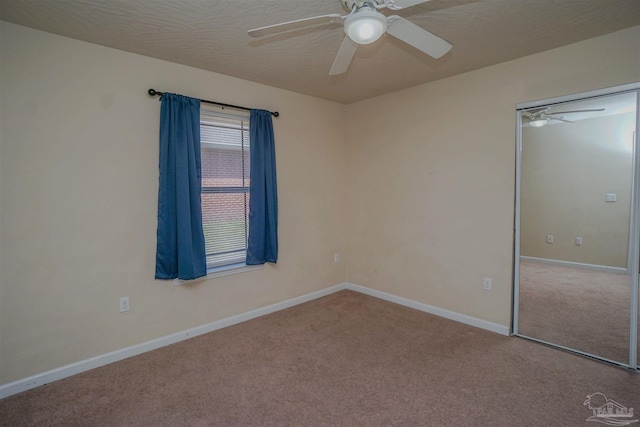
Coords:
pixel 363 25
pixel 542 117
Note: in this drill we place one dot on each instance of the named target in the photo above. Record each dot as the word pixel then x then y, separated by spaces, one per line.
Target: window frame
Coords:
pixel 207 118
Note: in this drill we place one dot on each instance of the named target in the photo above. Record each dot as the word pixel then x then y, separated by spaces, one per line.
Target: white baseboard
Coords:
pixel 447 314
pixel 37 380
pixel 115 356
pixel 618 270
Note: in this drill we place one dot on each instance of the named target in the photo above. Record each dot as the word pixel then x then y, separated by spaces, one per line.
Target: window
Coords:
pixel 224 143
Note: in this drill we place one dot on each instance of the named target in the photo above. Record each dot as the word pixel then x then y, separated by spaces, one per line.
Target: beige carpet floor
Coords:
pixel 583 309
pixel 343 360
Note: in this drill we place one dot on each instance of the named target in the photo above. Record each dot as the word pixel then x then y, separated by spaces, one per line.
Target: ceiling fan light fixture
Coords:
pixel 365 26
pixel 538 123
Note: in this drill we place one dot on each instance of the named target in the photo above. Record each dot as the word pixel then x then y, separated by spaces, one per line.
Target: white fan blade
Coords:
pixel 293 25
pixel 578 111
pixel 344 56
pixel 401 4
pixel 560 119
pixel 417 37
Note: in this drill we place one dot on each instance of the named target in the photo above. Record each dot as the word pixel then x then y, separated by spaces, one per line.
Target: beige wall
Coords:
pixel 432 174
pixel 415 189
pixel 567 170
pixel 79 173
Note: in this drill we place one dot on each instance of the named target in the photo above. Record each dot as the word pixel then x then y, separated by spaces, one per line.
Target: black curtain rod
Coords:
pixel 154 92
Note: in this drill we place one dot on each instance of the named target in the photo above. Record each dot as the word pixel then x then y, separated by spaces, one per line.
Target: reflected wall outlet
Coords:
pixel 486 284
pixel 549 238
pixel 124 304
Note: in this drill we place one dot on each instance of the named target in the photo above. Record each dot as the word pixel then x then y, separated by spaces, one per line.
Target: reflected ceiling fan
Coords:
pixel 542 117
pixel 364 24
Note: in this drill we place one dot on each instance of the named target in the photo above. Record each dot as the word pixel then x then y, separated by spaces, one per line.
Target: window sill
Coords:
pixel 225 270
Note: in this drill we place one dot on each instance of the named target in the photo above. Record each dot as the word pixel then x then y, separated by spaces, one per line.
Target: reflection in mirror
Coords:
pixel 576 174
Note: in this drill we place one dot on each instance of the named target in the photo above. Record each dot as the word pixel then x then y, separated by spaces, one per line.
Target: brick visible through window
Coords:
pixel 225 187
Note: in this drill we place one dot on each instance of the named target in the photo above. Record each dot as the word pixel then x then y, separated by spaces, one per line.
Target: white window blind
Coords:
pixel 225 144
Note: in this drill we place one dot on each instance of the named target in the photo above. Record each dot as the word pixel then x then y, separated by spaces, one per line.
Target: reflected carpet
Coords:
pixel 343 360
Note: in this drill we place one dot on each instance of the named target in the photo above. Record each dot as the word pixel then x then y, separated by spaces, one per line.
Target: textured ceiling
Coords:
pixel 212 35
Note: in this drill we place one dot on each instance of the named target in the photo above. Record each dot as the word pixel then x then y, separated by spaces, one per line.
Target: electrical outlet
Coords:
pixel 549 238
pixel 124 304
pixel 578 241
pixel 336 258
pixel 486 283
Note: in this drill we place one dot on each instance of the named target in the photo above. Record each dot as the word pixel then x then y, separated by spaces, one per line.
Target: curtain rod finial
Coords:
pixel 153 92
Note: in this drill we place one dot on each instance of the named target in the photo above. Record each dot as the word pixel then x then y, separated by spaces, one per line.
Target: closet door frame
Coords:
pixel 634 226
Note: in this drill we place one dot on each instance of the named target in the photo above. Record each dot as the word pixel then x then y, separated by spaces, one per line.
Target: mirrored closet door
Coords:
pixel 576 252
